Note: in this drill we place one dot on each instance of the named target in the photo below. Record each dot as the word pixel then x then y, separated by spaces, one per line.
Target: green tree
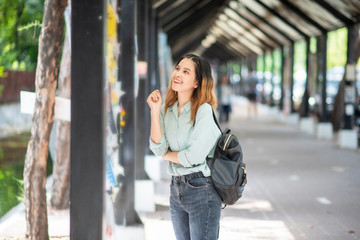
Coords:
pixel 19 48
pixel 337 48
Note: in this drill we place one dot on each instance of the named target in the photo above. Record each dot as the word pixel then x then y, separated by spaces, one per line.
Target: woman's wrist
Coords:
pixel 155 112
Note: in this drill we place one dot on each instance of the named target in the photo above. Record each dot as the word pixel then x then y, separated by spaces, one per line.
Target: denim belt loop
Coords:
pixel 187 177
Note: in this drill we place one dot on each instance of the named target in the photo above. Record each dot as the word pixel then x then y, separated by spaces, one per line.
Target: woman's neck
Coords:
pixel 183 99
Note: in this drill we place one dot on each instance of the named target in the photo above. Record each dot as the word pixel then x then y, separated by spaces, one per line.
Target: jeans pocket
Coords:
pixel 198 183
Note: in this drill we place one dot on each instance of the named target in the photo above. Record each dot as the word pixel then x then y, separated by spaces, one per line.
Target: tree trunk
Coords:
pixel 37 151
pixel 338 110
pixel 61 173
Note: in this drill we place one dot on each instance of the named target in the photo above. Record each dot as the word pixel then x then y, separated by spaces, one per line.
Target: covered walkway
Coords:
pixel 298 187
pixel 298 182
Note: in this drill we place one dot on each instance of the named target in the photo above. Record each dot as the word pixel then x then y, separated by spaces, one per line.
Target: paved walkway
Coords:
pixel 299 187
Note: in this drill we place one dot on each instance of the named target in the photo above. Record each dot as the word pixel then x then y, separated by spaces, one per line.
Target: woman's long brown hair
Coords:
pixel 204 93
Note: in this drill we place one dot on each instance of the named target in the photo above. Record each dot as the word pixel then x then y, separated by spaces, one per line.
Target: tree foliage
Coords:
pixel 337 48
pixel 19 48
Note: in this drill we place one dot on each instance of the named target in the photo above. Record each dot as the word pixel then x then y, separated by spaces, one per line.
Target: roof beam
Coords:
pixel 272 26
pixel 185 33
pixel 182 47
pixel 219 51
pixel 225 43
pixel 304 16
pixel 272 11
pixel 250 32
pixel 156 4
pixel 181 13
pixel 165 6
pixel 198 14
pixel 223 39
pixel 334 12
pixel 233 43
pixel 229 51
pixel 228 38
pixel 241 35
pixel 255 26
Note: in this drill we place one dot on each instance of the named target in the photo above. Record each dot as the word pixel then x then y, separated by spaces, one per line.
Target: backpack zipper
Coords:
pixel 226 142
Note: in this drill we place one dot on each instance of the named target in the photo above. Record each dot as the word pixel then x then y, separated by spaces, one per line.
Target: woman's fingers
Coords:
pixel 155 96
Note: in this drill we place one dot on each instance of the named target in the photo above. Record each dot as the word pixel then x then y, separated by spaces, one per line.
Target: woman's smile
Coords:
pixel 176 81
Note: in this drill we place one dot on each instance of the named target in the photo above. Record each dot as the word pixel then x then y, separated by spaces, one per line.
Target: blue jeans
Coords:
pixel 195 207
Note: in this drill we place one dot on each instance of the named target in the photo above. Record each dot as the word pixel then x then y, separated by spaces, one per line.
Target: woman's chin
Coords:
pixel 174 87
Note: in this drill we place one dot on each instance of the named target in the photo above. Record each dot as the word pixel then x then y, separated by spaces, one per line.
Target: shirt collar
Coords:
pixel 187 106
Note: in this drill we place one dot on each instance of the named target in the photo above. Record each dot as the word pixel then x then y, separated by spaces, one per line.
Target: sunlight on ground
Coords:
pixel 158 225
pixel 253 205
pixel 235 228
pixel 232 228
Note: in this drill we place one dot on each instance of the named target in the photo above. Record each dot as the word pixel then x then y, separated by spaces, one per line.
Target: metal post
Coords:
pixel 322 45
pixel 306 94
pixel 88 119
pixel 281 106
pixel 272 78
pixel 125 213
pixel 291 65
pixel 263 95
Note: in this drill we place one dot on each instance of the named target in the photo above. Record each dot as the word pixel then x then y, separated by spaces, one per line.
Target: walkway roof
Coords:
pixel 232 29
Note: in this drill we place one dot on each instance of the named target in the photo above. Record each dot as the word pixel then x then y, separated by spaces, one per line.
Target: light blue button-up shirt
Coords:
pixel 192 142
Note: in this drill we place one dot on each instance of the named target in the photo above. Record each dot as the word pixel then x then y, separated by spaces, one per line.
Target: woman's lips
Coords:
pixel 177 81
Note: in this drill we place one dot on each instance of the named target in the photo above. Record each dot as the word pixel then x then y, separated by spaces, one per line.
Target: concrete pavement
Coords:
pixel 298 187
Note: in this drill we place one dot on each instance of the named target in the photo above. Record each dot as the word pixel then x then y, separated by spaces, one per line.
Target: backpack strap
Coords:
pixel 215 119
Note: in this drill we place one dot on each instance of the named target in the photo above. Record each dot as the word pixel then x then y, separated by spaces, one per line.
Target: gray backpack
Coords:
pixel 228 172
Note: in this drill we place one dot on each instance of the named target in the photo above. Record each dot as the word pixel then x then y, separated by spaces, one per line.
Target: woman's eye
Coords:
pixel 186 72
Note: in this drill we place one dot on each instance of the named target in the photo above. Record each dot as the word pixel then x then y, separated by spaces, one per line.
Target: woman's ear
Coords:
pixel 196 84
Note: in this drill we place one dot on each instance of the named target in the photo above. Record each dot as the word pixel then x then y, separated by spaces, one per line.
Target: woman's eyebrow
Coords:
pixel 185 68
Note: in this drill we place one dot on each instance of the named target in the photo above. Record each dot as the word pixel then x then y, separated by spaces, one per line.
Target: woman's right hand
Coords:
pixel 154 100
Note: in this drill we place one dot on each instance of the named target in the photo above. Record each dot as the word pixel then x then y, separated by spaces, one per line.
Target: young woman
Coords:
pixel 184 133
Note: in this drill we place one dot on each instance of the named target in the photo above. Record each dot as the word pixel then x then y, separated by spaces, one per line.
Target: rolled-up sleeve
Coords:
pixel 162 147
pixel 202 139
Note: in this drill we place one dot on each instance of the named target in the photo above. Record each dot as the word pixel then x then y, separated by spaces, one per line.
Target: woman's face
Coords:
pixel 183 77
